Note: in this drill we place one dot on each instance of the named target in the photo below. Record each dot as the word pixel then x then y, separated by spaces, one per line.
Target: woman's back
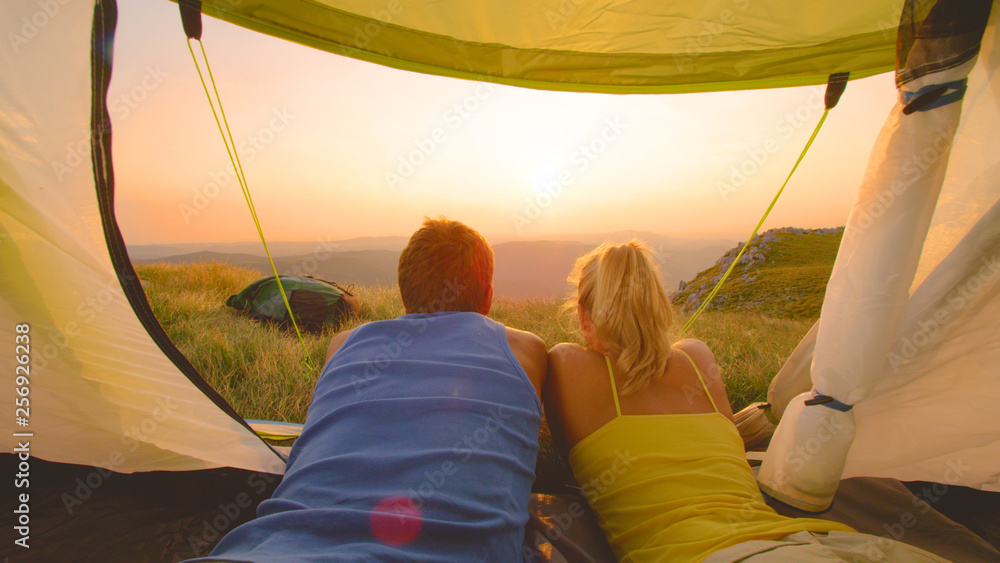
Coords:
pixel 661 462
pixel 675 486
pixel 582 396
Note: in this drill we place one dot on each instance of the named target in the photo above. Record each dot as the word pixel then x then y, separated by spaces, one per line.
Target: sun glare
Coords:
pixel 316 130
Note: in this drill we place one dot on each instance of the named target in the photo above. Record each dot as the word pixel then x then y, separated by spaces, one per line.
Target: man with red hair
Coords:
pixel 421 439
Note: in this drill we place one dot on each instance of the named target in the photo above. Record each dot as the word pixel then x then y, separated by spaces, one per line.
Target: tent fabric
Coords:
pixel 620 46
pixel 102 392
pixel 903 329
pixel 109 392
pixel 172 516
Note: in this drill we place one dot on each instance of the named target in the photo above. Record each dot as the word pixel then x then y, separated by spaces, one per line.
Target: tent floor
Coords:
pixel 81 513
pixel 979 511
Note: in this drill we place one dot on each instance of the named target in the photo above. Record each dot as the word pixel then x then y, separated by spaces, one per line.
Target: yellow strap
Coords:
pixel 234 159
pixel 700 378
pixel 274 430
pixel 614 388
pixel 736 260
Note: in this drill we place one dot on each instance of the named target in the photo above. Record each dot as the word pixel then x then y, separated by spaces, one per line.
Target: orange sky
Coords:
pixel 335 148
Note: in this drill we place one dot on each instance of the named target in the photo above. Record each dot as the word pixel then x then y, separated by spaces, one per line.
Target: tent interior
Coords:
pixel 131 455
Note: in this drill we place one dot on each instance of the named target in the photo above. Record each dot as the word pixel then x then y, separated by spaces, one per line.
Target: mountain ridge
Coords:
pixel 522 268
pixel 783 274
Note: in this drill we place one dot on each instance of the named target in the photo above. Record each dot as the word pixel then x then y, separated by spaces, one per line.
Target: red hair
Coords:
pixel 446 266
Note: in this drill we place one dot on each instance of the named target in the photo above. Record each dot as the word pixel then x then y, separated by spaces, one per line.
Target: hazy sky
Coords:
pixel 336 148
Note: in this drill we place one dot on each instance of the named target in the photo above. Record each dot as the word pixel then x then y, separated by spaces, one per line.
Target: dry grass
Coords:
pixel 260 369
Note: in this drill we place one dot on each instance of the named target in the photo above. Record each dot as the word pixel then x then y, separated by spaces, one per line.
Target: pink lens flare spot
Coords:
pixel 396 521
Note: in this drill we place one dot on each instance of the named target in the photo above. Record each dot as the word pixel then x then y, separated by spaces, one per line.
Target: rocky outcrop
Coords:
pixel 690 295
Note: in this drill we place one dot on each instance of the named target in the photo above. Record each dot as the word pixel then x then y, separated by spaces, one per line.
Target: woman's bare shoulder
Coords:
pixel 566 350
pixel 697 350
pixel 694 345
pixel 571 355
pixel 705 361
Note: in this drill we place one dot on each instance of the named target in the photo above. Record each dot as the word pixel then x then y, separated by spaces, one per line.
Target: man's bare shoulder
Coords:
pixel 336 342
pixel 529 342
pixel 531 353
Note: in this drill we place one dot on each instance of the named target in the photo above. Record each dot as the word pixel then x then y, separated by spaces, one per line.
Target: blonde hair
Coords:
pixel 621 289
pixel 446 266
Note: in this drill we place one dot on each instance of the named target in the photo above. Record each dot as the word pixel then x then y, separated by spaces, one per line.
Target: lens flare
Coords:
pixel 396 521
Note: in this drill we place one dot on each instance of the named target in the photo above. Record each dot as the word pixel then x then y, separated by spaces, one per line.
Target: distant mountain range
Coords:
pixel 523 268
pixel 148 252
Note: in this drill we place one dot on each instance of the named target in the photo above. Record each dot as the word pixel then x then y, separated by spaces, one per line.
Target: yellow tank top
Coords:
pixel 676 487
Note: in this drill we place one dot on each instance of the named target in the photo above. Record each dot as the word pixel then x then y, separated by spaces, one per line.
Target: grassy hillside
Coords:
pixel 259 368
pixel 782 274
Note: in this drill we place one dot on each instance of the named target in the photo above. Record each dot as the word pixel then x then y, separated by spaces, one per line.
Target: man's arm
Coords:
pixel 336 342
pixel 532 354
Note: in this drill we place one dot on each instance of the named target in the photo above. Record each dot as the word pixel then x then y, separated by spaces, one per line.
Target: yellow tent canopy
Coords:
pixel 618 46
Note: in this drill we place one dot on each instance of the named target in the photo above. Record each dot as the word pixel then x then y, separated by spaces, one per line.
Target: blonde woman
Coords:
pixel 650 436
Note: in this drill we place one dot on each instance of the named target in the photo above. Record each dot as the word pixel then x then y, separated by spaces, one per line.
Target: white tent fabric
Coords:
pixel 905 332
pixel 101 391
pixel 916 353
